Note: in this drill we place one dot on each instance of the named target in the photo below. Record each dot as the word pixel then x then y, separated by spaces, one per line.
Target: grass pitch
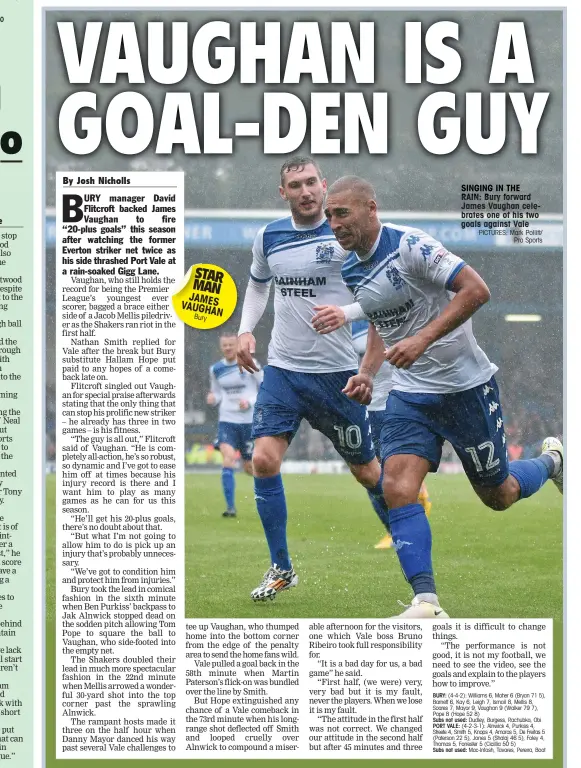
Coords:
pixel 487 564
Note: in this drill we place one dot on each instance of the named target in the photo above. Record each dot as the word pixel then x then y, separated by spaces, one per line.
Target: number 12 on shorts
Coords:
pixel 491 462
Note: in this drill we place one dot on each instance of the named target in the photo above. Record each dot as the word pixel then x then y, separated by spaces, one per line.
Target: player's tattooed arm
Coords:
pixel 471 293
pixel 374 353
pixel 360 386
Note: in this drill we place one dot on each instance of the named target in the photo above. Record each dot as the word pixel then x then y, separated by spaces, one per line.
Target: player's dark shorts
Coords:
pixel 287 397
pixel 238 436
pixel 376 419
pixel 471 421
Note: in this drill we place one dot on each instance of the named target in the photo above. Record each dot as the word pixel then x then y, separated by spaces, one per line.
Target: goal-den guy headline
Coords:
pixel 336 53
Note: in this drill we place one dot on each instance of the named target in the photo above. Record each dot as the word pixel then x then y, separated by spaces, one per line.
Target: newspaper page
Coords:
pixel 20 353
pixel 229 573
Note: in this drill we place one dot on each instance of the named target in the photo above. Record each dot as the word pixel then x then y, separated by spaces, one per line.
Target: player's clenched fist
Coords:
pixel 404 353
pixel 246 349
pixel 359 388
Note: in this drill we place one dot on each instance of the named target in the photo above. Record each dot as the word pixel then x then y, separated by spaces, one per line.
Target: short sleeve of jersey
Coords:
pixel 359 334
pixel 426 258
pixel 259 271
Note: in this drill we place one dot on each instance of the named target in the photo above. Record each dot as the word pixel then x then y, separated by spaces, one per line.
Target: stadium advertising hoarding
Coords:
pixel 165 133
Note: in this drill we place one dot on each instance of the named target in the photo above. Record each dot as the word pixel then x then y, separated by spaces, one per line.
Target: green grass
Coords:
pixel 487 564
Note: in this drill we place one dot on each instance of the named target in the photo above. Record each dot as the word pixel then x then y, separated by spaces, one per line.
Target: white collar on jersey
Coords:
pixel 373 247
pixel 304 227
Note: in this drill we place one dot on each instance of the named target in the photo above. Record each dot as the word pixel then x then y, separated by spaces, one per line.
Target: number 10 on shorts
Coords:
pixel 350 437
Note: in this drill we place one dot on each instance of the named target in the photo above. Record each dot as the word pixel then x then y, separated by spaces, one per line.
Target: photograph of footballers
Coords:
pixel 306 373
pixel 377 430
pixel 313 541
pixel 443 385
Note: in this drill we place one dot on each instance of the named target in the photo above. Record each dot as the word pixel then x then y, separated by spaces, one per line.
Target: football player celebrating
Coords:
pixel 234 391
pixel 306 372
pixel 419 298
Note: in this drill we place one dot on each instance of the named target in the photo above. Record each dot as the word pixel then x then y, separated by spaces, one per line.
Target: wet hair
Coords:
pixel 296 163
pixel 355 184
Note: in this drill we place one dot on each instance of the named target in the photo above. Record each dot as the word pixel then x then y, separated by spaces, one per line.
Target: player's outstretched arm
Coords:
pixel 255 301
pixel 329 317
pixel 471 293
pixel 360 386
